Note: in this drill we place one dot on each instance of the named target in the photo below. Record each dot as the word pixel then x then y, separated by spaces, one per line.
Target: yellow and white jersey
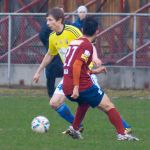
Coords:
pixel 58 43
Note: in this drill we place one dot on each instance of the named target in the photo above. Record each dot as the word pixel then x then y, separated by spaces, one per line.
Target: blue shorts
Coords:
pixel 91 96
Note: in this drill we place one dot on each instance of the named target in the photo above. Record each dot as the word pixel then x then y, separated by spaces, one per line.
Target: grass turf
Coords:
pixel 19 106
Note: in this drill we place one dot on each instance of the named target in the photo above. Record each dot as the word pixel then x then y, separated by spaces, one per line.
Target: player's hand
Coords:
pixel 75 93
pixel 36 77
pixel 97 61
pixel 101 69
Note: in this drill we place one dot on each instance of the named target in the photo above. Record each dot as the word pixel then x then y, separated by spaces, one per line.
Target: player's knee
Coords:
pixel 53 104
pixel 56 101
pixel 107 106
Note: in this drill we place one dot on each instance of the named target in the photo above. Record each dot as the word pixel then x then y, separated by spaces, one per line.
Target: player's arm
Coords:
pixel 76 76
pixel 46 60
pixel 95 58
pixel 98 70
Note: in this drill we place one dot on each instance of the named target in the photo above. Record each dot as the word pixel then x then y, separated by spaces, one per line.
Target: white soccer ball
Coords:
pixel 40 124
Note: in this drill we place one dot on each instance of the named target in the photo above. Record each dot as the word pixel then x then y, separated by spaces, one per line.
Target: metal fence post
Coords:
pixel 134 50
pixel 134 41
pixel 9 48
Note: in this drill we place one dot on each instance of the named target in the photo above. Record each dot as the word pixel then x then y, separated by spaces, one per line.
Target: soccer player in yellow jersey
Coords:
pixel 59 40
pixel 58 44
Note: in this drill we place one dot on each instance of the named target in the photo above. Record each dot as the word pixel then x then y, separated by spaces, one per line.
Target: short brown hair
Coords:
pixel 57 13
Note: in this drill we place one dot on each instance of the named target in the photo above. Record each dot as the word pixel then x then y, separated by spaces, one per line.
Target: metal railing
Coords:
pixel 118 43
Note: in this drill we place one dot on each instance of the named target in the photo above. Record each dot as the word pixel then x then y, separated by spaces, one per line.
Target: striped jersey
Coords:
pixel 82 50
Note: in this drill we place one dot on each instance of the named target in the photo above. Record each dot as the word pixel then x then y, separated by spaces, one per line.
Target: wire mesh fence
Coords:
pixel 3 35
pixel 124 39
pixel 25 46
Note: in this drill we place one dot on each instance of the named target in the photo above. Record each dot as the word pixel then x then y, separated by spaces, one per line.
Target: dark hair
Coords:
pixel 57 13
pixel 90 25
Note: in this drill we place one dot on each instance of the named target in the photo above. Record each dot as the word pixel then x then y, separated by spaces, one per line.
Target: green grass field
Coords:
pixel 19 106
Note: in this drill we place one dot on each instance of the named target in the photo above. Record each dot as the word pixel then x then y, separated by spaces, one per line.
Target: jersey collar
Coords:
pixel 58 33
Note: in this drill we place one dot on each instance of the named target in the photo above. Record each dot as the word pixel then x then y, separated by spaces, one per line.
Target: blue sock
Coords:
pixel 64 111
pixel 125 124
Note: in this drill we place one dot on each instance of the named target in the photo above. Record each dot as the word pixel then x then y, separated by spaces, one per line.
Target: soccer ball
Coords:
pixel 40 124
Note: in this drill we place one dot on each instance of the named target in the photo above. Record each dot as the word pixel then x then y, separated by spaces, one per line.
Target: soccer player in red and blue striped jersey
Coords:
pixel 78 86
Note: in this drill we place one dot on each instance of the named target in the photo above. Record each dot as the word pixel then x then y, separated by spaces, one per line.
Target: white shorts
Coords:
pixel 59 89
pixel 95 81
